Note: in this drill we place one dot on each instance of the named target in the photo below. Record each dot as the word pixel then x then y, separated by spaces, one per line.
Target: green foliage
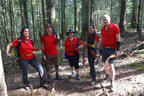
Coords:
pixel 137 65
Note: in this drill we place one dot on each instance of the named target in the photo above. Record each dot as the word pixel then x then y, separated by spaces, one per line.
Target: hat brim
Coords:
pixel 69 32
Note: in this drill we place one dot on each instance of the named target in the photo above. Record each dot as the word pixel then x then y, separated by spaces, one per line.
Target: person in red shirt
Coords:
pixel 27 57
pixel 91 43
pixel 110 44
pixel 72 45
pixel 50 41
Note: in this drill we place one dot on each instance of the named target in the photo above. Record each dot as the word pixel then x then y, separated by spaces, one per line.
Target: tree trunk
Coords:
pixel 11 20
pixel 91 11
pixel 21 13
pixel 5 21
pixel 85 17
pixel 3 87
pixel 51 14
pixel 43 12
pixel 33 21
pixel 63 28
pixel 25 12
pixel 122 16
pixel 97 16
pixel 140 15
pixel 134 11
pixel 75 15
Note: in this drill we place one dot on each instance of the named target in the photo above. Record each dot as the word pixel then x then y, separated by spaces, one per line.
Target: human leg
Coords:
pixel 92 68
pixel 39 69
pixel 76 65
pixel 24 66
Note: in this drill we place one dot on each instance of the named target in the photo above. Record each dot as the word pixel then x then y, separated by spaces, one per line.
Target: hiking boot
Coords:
pixel 105 79
pixel 28 87
pixel 58 76
pixel 49 78
pixel 93 83
pixel 78 77
pixel 112 87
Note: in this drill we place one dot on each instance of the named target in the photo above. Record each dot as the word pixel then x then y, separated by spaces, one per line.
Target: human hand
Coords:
pixel 85 43
pixel 8 54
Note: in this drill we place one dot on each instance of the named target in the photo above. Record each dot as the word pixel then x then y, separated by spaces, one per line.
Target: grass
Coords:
pixel 137 65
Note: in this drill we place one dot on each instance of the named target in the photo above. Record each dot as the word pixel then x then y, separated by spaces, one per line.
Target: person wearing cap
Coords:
pixel 110 44
pixel 72 45
pixel 27 57
pixel 91 43
pixel 50 41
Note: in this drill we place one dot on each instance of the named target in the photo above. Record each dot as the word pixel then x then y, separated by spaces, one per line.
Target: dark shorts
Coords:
pixel 106 52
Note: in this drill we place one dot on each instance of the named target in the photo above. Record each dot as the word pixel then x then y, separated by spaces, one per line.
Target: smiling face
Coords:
pixel 48 28
pixel 26 32
pixel 106 19
pixel 90 29
pixel 70 34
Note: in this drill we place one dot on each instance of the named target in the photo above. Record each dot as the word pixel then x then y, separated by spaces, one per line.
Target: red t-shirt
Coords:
pixel 70 46
pixel 109 36
pixel 50 44
pixel 25 48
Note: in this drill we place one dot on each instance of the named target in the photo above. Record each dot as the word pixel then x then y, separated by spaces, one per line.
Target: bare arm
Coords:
pixel 118 37
pixel 8 49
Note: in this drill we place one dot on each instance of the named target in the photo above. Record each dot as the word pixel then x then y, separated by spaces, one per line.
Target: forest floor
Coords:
pixel 129 77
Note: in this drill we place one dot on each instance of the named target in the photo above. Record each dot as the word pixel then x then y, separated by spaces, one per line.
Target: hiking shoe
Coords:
pixel 78 77
pixel 106 79
pixel 49 78
pixel 58 77
pixel 112 87
pixel 27 88
pixel 93 83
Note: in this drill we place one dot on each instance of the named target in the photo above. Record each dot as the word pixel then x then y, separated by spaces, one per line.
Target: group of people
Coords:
pixel 109 44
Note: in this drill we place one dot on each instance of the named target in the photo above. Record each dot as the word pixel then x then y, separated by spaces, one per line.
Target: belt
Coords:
pixel 29 54
pixel 108 48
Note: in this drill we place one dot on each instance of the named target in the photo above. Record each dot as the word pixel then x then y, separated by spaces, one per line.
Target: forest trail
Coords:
pixel 129 79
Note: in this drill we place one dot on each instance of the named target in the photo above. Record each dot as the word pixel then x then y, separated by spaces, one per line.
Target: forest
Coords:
pixel 76 15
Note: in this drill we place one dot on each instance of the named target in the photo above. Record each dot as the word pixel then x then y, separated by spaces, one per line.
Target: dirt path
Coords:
pixel 129 79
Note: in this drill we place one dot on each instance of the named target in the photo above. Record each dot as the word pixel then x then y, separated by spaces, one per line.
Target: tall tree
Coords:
pixel 24 2
pixel 85 17
pixel 122 16
pixel 33 21
pixel 3 87
pixel 51 14
pixel 21 13
pixel 43 12
pixel 140 15
pixel 91 11
pixel 133 15
pixel 4 11
pixel 63 28
pixel 75 15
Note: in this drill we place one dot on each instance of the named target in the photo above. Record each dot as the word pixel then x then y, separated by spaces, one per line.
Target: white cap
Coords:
pixel 107 17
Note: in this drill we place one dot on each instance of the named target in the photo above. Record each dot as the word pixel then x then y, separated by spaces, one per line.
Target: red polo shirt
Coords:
pixel 50 44
pixel 109 36
pixel 26 47
pixel 70 46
